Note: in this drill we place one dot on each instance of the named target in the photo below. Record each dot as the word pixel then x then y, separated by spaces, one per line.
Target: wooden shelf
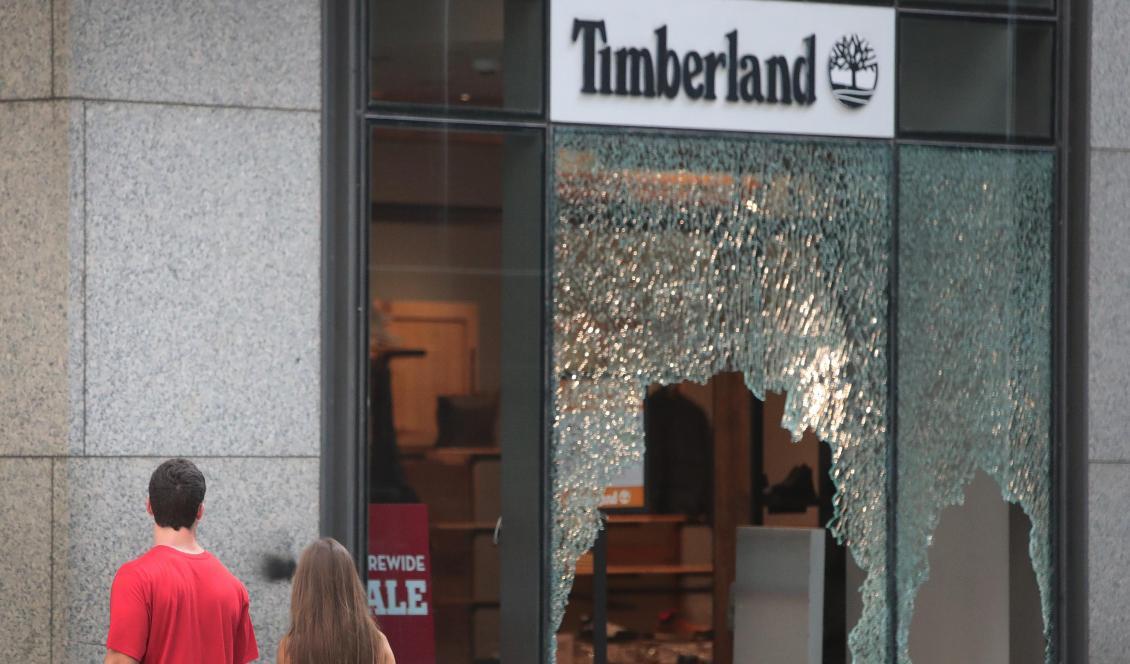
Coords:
pixel 467 601
pixel 450 454
pixel 585 569
pixel 643 519
pixel 464 526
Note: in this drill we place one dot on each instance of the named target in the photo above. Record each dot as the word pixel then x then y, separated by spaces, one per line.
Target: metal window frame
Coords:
pixel 347 117
pixel 344 324
pixel 1069 338
pixel 348 120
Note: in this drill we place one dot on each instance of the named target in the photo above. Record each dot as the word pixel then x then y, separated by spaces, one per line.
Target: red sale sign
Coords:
pixel 400 587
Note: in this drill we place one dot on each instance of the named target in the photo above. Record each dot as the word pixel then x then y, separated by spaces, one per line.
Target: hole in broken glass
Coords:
pixel 718 472
pixel 981 602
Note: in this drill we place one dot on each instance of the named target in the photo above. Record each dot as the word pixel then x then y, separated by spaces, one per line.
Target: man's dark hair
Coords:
pixel 176 490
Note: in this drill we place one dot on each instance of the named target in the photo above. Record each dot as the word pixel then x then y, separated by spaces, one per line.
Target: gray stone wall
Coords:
pixel 159 295
pixel 1109 333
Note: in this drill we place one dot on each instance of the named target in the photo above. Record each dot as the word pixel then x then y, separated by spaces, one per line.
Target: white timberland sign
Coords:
pixel 741 65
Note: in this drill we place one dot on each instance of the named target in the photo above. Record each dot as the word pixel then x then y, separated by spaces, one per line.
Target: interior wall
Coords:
pixel 962 611
pixel 1026 618
pixel 445 262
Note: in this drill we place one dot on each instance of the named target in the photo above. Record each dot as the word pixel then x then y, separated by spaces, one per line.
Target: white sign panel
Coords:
pixel 742 65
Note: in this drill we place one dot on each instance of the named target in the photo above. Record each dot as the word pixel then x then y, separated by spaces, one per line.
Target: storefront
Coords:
pixel 640 313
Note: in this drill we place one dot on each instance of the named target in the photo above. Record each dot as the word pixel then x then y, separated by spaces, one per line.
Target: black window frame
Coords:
pixel 348 116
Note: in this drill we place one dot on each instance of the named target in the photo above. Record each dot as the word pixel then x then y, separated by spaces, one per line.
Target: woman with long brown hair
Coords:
pixel 329 616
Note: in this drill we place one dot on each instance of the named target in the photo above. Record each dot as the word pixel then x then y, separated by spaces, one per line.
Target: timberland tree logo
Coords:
pixel 853 71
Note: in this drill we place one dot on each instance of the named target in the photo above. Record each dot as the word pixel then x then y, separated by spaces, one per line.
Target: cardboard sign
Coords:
pixel 627 490
pixel 399 580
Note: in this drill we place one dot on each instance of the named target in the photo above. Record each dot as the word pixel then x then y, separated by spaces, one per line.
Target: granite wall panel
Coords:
pixel 258 53
pixel 39 303
pixel 25 57
pixel 81 653
pixel 1108 337
pixel 1109 558
pixel 188 227
pixel 1109 285
pixel 202 281
pixel 25 560
pixel 1110 73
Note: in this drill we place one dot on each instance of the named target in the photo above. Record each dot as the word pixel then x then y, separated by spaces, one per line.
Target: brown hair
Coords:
pixel 176 489
pixel 329 615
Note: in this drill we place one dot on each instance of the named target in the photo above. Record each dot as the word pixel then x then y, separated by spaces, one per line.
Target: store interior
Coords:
pixel 717 462
pixel 718 465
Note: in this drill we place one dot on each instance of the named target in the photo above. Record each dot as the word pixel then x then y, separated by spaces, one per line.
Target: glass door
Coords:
pixel 456 391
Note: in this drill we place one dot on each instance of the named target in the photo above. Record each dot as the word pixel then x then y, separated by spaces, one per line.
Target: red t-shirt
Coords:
pixel 172 607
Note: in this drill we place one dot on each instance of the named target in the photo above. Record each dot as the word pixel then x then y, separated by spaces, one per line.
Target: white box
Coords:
pixel 778 596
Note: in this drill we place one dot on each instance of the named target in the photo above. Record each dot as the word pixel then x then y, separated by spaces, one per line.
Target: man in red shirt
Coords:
pixel 178 604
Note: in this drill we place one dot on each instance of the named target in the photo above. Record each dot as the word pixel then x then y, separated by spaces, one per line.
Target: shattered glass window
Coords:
pixel 974 347
pixel 677 257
